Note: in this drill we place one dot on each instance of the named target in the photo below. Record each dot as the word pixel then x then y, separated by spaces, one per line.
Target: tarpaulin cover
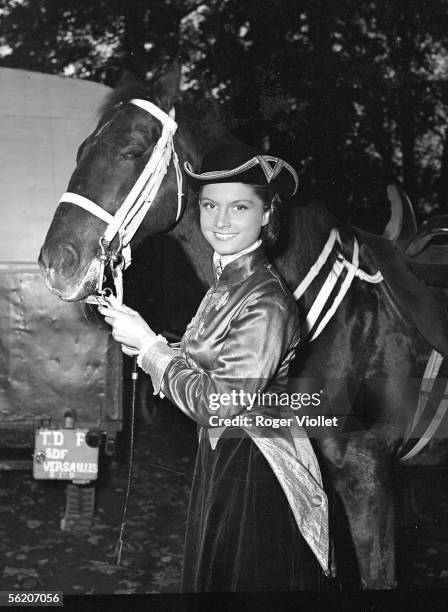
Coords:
pixel 52 357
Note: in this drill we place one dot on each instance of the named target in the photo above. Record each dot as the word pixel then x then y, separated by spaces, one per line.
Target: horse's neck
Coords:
pixel 195 138
pixel 188 234
pixel 308 228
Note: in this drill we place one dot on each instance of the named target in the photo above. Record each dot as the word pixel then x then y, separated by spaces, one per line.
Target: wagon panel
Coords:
pixel 54 358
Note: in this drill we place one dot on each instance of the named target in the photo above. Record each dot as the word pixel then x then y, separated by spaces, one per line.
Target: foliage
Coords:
pixel 353 92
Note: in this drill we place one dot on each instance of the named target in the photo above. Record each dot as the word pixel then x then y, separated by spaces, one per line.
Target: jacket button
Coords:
pixel 316 500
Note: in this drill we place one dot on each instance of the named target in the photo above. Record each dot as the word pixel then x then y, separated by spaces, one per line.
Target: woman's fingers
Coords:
pixel 113 312
pixel 129 350
pixel 128 327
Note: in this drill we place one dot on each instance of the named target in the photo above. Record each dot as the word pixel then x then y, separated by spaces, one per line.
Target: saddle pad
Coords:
pixel 426 307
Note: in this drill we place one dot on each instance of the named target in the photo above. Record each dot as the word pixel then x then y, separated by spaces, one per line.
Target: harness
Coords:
pixel 128 218
pixel 427 419
pixel 323 296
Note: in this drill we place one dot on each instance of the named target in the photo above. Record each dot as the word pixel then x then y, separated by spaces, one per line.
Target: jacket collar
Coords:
pixel 242 267
pixel 220 261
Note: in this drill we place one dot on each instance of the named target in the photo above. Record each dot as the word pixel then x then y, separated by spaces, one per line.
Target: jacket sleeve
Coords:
pixel 257 342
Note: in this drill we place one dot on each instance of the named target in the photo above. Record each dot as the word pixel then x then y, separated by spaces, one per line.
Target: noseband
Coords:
pixel 128 218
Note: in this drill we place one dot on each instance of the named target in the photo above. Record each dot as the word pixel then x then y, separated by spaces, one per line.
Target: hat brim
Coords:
pixel 256 171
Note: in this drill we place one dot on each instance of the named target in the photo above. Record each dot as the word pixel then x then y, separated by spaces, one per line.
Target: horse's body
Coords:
pixel 368 339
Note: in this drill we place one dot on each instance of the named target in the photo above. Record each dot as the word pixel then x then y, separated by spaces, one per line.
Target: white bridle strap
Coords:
pixel 94 209
pixel 91 207
pixel 156 112
pixel 137 203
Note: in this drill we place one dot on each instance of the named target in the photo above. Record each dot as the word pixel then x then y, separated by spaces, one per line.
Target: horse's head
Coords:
pixel 109 163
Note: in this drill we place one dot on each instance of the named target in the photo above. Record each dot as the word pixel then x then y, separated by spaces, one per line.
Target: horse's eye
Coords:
pixel 132 152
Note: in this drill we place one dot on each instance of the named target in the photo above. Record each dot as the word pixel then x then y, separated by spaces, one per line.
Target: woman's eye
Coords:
pixel 209 205
pixel 240 207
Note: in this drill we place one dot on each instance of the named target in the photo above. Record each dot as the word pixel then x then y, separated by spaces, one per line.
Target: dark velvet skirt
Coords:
pixel 241 534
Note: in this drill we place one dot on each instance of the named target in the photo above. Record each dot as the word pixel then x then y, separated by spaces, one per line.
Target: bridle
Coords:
pixel 128 218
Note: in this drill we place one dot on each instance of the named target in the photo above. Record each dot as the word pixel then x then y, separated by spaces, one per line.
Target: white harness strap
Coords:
pixel 427 384
pixel 319 303
pixel 316 267
pixel 128 218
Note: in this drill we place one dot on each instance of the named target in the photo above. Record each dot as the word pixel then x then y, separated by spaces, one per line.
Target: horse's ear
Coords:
pixel 128 80
pixel 166 89
pixel 127 84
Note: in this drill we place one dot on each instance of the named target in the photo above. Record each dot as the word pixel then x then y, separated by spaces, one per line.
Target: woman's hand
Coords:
pixel 128 350
pixel 128 328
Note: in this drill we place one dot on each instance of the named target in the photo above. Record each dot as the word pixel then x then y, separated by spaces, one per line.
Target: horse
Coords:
pixel 368 337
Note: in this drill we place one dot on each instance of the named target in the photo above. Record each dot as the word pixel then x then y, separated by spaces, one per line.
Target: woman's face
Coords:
pixel 231 216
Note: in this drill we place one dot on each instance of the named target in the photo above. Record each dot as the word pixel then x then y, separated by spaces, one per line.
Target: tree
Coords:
pixel 352 91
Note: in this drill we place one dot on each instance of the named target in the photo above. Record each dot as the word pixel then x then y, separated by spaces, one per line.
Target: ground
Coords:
pixel 36 554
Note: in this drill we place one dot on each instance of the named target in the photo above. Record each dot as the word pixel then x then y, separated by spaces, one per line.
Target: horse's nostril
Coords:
pixel 68 260
pixel 62 259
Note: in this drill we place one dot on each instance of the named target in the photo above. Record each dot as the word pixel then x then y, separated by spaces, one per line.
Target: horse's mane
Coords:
pixel 207 122
pixel 127 88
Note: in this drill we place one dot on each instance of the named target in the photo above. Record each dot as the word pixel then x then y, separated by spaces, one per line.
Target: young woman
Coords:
pixel 257 509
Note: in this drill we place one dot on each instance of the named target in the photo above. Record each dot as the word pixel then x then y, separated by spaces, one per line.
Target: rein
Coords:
pixel 128 218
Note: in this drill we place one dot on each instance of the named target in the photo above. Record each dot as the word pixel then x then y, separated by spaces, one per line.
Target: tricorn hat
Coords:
pixel 239 163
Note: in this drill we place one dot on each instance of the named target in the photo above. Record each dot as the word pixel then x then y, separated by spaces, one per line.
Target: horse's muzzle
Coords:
pixel 60 266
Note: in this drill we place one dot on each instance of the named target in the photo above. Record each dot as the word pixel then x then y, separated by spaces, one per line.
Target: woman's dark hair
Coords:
pixel 272 202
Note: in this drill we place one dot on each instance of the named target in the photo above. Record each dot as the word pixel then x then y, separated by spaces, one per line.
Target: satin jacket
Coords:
pixel 238 346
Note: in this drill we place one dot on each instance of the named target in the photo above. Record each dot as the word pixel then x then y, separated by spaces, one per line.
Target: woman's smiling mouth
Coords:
pixel 224 236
